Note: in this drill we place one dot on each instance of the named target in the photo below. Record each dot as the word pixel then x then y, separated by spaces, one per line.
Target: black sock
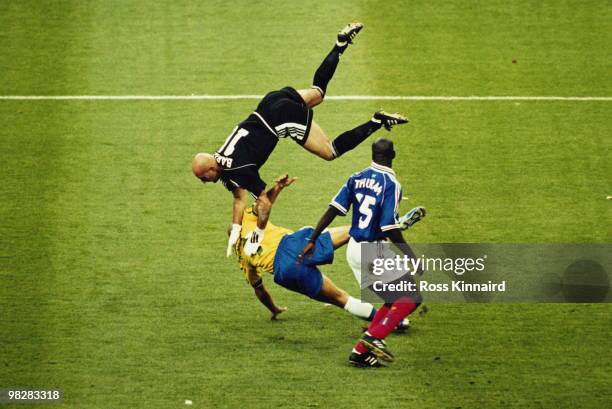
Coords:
pixel 326 70
pixel 350 139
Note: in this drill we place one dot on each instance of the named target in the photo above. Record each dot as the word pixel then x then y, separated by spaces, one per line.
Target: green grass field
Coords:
pixel 114 281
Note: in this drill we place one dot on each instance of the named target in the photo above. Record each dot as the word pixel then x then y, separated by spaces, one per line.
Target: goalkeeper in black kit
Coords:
pixel 280 114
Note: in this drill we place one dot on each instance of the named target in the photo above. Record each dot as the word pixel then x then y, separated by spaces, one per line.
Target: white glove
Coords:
pixel 253 240
pixel 233 238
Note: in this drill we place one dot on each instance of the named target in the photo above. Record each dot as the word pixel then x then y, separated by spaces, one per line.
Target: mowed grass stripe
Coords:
pixel 329 98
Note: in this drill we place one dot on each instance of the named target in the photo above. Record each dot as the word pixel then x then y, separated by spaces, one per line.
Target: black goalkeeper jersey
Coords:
pixel 244 151
pixel 280 114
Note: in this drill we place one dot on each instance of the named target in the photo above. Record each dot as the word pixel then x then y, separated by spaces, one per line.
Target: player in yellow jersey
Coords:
pixel 277 254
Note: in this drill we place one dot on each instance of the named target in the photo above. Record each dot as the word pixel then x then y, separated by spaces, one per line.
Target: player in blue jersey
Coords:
pixel 375 194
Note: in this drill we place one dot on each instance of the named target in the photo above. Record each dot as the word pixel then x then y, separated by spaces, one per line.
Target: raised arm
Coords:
pixel 266 200
pixel 263 206
pixel 279 184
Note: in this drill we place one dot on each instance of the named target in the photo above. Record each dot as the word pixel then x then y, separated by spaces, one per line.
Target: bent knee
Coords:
pixel 328 153
pixel 312 96
pixel 316 100
pixel 341 297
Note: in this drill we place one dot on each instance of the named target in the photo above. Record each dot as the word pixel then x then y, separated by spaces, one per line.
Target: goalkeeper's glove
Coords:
pixel 253 240
pixel 233 238
pixel 412 217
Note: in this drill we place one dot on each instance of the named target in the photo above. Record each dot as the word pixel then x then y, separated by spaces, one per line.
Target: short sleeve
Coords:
pixel 342 200
pixel 389 219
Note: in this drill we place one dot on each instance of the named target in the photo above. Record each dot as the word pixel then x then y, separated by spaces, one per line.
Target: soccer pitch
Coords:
pixel 115 287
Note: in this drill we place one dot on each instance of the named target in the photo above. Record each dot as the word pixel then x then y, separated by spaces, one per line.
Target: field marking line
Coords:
pixel 331 97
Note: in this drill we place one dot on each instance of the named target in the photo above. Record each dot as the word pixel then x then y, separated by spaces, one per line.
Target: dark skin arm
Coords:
pixel 327 218
pixel 263 205
pixel 266 299
pixel 264 202
pixel 395 236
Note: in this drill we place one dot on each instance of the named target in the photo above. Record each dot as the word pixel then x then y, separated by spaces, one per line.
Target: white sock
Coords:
pixel 358 308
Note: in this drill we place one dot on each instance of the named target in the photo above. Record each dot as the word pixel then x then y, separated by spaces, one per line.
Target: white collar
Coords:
pixel 383 168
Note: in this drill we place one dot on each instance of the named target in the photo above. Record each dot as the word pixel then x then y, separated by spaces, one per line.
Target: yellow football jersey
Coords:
pixel 263 260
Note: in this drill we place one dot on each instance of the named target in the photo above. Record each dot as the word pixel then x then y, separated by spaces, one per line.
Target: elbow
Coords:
pixel 263 204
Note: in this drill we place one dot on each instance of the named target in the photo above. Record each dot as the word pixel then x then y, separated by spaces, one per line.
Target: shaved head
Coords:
pixel 205 167
pixel 382 149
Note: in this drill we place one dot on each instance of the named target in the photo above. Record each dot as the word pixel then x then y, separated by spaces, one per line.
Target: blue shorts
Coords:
pixel 304 278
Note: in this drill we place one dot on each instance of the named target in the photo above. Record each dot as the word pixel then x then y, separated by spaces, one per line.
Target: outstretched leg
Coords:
pixel 326 70
pixel 319 143
pixel 332 294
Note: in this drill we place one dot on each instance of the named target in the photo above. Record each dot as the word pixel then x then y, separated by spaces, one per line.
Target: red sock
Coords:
pixel 380 314
pixel 360 348
pixel 378 317
pixel 398 311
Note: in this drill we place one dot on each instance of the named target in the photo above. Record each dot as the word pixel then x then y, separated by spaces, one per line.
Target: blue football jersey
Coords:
pixel 374 194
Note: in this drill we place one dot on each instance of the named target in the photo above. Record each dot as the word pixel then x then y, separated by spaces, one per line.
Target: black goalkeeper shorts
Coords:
pixel 286 114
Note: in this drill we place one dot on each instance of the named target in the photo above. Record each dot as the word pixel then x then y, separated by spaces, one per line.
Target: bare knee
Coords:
pixel 312 96
pixel 323 150
pixel 333 294
pixel 338 298
pixel 328 152
pixel 316 100
pixel 329 157
pixel 342 298
pixel 318 143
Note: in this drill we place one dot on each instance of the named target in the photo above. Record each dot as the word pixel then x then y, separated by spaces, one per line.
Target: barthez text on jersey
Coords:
pixel 223 160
